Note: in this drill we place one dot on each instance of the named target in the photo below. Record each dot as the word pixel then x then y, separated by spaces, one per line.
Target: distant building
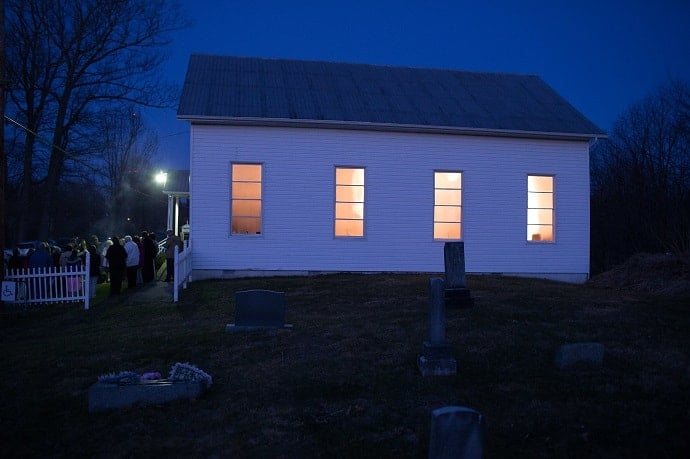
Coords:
pixel 301 167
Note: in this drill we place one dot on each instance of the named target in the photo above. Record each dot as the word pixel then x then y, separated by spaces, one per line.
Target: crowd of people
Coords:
pixel 112 261
pixel 132 258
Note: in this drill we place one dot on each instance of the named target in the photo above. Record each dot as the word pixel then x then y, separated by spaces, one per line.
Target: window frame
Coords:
pixel 233 199
pixel 335 219
pixel 460 206
pixel 552 209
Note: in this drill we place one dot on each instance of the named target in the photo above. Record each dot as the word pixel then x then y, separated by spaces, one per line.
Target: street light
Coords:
pixel 161 177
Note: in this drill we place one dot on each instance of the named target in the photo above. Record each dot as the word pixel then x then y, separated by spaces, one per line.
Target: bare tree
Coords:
pixel 68 60
pixel 3 155
pixel 126 153
pixel 641 178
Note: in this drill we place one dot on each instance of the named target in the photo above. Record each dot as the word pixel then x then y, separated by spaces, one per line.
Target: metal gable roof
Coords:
pixel 260 91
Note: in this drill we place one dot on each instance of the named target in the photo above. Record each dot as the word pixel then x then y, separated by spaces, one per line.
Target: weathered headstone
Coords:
pixel 588 355
pixel 456 432
pixel 436 359
pixel 258 310
pixel 456 293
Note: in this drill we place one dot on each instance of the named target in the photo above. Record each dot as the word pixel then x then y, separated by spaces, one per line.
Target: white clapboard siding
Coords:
pixel 298 188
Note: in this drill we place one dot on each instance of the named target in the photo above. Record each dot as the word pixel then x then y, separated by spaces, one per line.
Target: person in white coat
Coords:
pixel 132 261
pixel 105 264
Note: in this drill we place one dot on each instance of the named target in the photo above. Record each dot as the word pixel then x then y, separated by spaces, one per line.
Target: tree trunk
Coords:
pixel 26 190
pixel 3 156
pixel 52 182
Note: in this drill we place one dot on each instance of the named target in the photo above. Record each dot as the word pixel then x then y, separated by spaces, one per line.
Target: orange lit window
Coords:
pixel 540 208
pixel 349 201
pixel 447 205
pixel 246 199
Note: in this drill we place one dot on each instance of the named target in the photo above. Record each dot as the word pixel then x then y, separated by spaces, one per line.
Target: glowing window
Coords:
pixel 540 208
pixel 349 201
pixel 447 205
pixel 246 199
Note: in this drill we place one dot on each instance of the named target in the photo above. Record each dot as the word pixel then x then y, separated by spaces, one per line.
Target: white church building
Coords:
pixel 300 167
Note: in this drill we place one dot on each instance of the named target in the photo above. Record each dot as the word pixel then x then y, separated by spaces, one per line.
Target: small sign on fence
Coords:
pixel 13 291
pixel 9 291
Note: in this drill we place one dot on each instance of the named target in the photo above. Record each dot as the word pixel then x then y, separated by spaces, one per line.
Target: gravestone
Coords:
pixel 587 355
pixel 106 396
pixel 456 432
pixel 456 293
pixel 127 388
pixel 436 359
pixel 258 310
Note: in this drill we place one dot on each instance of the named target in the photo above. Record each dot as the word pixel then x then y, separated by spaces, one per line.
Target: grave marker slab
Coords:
pixel 105 396
pixel 436 358
pixel 590 355
pixel 456 432
pixel 258 310
pixel 127 388
pixel 456 293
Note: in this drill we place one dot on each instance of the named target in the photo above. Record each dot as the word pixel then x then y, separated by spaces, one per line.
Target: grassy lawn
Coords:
pixel 344 382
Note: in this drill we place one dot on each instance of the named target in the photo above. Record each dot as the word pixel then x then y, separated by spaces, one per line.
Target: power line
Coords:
pixel 50 144
pixel 35 134
pixel 71 156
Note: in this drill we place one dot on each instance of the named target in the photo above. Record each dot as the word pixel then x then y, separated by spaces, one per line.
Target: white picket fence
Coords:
pixel 183 269
pixel 65 284
pixel 71 284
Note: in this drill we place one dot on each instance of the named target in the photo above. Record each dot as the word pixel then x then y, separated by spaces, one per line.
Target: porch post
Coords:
pixel 177 215
pixel 170 213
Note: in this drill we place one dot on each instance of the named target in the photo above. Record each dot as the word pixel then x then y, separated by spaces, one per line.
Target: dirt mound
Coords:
pixel 662 274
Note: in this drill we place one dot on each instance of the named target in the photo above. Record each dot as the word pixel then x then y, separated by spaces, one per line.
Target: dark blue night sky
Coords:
pixel 600 55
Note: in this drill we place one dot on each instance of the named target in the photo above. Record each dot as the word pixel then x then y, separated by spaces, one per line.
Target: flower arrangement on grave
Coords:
pixel 189 373
pixel 180 372
pixel 123 377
